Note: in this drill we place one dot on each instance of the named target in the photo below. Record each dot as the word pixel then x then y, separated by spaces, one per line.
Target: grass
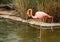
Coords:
pixel 52 7
pixel 5 1
pixel 48 6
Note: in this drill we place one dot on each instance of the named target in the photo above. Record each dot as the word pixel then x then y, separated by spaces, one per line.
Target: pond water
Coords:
pixel 15 31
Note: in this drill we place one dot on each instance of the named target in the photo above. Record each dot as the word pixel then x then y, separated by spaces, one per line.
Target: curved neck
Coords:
pixel 30 12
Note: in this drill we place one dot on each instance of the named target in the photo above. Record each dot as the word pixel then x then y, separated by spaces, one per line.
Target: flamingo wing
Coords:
pixel 40 14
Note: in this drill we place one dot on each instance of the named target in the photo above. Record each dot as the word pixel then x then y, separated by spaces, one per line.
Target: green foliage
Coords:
pixel 5 1
pixel 51 7
pixel 21 6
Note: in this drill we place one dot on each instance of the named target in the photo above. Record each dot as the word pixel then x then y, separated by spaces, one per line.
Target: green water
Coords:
pixel 15 31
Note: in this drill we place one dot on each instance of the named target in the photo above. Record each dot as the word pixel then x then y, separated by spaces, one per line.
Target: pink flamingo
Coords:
pixel 38 14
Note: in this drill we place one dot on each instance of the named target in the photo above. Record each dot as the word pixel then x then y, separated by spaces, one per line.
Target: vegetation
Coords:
pixel 5 1
pixel 21 6
pixel 51 7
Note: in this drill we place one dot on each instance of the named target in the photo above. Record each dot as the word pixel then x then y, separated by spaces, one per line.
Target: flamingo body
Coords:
pixel 40 14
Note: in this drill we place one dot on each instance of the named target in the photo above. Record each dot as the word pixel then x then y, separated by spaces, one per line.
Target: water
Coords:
pixel 48 36
pixel 15 31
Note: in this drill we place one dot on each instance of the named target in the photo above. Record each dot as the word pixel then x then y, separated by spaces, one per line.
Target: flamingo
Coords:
pixel 38 14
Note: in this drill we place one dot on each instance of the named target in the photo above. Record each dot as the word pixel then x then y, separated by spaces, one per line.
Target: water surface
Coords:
pixel 16 31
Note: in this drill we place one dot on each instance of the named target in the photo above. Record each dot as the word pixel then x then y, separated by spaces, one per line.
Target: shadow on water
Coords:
pixel 15 31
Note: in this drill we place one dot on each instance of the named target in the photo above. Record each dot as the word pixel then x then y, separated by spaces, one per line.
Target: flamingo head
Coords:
pixel 50 16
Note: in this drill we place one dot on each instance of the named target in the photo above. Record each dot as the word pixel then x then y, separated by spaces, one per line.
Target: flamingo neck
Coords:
pixel 29 13
pixel 32 15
